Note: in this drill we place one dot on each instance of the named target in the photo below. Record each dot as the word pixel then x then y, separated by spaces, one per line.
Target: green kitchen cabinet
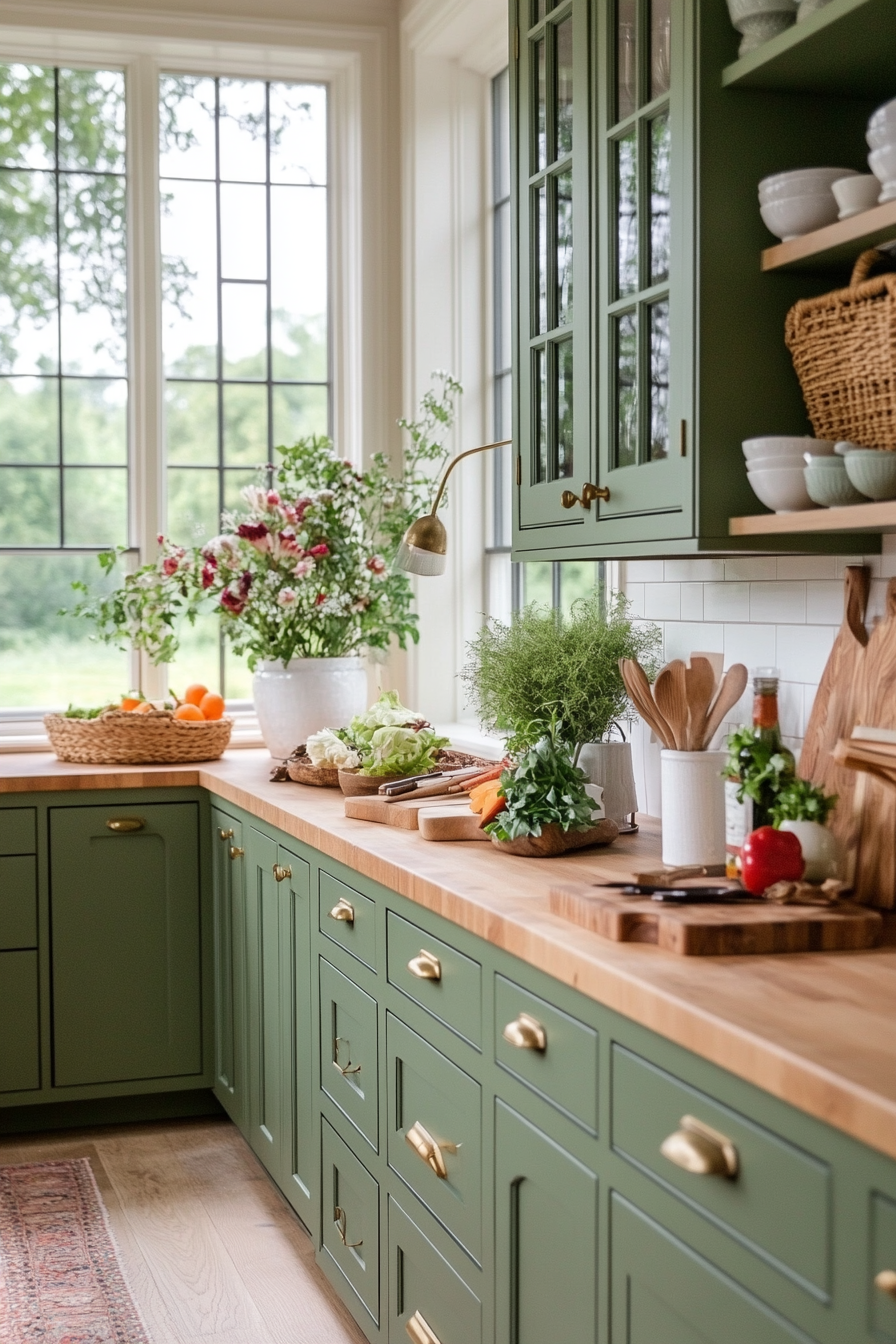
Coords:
pixel 126 952
pixel 19 1022
pixel 882 1285
pixel 229 914
pixel 299 1160
pixel 648 345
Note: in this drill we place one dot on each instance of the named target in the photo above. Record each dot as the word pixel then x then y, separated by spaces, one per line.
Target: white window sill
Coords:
pixel 20 734
pixel 469 737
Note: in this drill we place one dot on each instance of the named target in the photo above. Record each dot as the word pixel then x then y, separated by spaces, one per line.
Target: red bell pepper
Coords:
pixel 770 856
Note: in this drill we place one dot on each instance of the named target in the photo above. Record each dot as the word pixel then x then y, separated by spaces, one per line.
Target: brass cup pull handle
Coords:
pixel 425 1146
pixel 425 966
pixel 569 499
pixel 703 1151
pixel 236 852
pixel 885 1282
pixel 122 825
pixel 419 1331
pixel 344 1069
pixel 343 910
pixel 226 835
pixel 526 1033
pixel 281 874
pixel 339 1221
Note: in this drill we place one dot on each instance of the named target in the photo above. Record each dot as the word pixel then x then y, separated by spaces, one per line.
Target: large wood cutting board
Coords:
pixel 873 799
pixel 403 812
pixel 715 930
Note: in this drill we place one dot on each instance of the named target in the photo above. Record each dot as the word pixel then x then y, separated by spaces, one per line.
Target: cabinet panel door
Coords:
pixel 662 1290
pixel 265 1014
pixel 126 945
pixel 349 1062
pixel 300 1161
pixel 883 1258
pixel 20 1018
pixel 546 1237
pixel 423 1288
pixel 228 879
pixel 18 902
pixel 350 1222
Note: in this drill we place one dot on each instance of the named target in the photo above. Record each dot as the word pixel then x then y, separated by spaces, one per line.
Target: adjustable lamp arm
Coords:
pixel 469 452
pixel 425 543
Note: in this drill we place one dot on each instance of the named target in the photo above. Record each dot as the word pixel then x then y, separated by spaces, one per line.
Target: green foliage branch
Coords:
pixel 545 788
pixel 799 800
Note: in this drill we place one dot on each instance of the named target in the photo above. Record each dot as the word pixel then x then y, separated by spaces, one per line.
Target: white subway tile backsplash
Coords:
pixel 803 651
pixel 871 562
pixel 662 601
pixel 692 602
pixel 824 602
pixel 887 557
pixel 747 567
pixel 790 709
pixel 635 594
pixel 726 601
pixel 684 637
pixel 644 571
pixel 754 645
pixel 694 571
pixel 807 567
pixel 779 602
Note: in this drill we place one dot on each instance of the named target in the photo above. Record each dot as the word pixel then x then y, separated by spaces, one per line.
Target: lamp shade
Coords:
pixel 424 548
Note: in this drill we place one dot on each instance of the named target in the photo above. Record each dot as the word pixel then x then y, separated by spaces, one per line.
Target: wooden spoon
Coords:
pixel 734 683
pixel 638 687
pixel 715 660
pixel 700 685
pixel 671 698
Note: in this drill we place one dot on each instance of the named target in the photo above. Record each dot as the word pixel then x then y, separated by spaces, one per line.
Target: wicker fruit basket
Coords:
pixel 117 737
pixel 843 346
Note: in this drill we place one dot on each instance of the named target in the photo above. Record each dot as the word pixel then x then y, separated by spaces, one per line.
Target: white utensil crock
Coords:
pixel 610 764
pixel 298 698
pixel 693 796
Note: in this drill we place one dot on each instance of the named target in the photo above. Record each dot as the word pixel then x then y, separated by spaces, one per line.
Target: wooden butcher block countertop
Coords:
pixel 817 1030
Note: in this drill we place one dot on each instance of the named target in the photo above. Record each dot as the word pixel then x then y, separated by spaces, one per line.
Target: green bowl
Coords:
pixel 873 471
pixel 828 484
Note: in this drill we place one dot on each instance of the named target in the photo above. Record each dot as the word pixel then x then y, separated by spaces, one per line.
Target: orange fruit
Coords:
pixel 144 707
pixel 188 711
pixel 194 693
pixel 131 702
pixel 212 705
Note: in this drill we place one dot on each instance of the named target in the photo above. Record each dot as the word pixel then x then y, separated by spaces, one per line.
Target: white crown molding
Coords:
pixel 472 32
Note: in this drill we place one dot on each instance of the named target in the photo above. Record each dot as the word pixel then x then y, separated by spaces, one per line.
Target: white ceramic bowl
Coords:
pixel 770 463
pixel 783 489
pixel 882 125
pixel 793 216
pixel 787 445
pixel 801 181
pixel 854 195
pixel 882 163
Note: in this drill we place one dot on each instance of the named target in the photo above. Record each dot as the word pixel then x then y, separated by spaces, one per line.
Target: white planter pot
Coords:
pixel 610 765
pixel 693 807
pixel 823 853
pixel 298 698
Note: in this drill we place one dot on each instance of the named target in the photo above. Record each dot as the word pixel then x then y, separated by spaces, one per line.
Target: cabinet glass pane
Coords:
pixel 539 68
pixel 540 226
pixel 659 381
pixel 564 405
pixel 627 214
pixel 564 249
pixel 626 58
pixel 626 346
pixel 660 156
pixel 540 384
pixel 563 87
pixel 660 46
pixel 539 9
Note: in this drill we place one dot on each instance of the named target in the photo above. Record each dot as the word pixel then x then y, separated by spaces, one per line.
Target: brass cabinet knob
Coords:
pixel 569 499
pixel 526 1033
pixel 425 1146
pixel 425 966
pixel 418 1330
pixel 226 835
pixel 343 910
pixel 122 825
pixel 236 852
pixel 700 1150
pixel 339 1220
pixel 281 874
pixel 344 1069
pixel 885 1282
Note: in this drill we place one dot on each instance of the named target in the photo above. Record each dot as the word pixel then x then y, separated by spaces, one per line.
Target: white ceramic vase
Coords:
pixel 298 698
pixel 693 807
pixel 823 854
pixel 609 764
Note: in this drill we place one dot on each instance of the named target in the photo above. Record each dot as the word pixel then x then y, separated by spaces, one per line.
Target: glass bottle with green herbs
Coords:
pixel 759 765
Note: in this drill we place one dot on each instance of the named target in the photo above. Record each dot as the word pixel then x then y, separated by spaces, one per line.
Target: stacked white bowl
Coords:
pixel 800 201
pixel 881 137
pixel 775 469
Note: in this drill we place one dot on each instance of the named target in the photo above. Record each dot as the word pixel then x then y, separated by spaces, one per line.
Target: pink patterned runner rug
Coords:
pixel 60 1278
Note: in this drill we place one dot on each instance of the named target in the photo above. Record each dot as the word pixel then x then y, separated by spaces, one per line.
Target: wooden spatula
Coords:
pixel 734 683
pixel 638 687
pixel 700 686
pixel 671 698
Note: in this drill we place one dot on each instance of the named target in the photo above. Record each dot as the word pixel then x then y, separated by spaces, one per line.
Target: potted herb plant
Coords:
pixel 804 810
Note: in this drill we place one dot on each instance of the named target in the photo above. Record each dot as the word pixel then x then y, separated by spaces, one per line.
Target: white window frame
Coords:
pixel 353 62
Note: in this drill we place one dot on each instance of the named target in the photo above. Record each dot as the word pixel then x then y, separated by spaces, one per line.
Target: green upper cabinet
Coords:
pixel 648 345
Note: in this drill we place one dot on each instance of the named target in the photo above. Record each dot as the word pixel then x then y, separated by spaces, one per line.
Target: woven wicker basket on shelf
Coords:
pixel 121 738
pixel 843 346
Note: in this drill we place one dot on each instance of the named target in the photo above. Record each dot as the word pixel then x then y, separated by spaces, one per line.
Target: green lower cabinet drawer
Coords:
pixel 428 1302
pixel 349 1070
pixel 438 977
pixel 546 1238
pixel 348 918
pixel 19 1022
pixel 435 1133
pixel 662 1292
pixel 350 1223
pixel 553 1053
pixel 882 1311
pixel 18 830
pixel 18 902
pixel 779 1203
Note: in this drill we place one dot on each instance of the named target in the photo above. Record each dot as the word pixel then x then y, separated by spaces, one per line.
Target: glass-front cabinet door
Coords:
pixel 554 253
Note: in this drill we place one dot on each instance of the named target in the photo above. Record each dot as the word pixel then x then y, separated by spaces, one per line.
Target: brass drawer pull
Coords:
pixel 569 499
pixel 343 910
pixel 339 1220
pixel 348 1068
pixel 425 966
pixel 419 1331
pixel 526 1033
pixel 281 874
pixel 701 1150
pixel 885 1282
pixel 226 835
pixel 425 1146
pixel 121 825
pixel 236 852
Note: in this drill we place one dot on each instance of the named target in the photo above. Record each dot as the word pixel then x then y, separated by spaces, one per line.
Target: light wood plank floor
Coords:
pixel 212 1251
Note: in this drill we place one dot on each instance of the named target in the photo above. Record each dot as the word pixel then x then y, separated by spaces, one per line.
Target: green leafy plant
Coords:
pixel 545 666
pixel 389 739
pixel 545 788
pixel 799 800
pixel 762 771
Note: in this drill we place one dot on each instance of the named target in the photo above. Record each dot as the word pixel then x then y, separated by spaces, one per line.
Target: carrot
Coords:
pixel 493 808
pixel 485 778
pixel 480 795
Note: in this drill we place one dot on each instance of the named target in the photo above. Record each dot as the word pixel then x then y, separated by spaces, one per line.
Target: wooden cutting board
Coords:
pixel 874 799
pixel 715 930
pixel 403 812
pixel 450 823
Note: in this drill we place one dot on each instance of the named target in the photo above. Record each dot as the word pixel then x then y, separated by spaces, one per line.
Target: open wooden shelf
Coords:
pixel 848 47
pixel 837 245
pixel 855 518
